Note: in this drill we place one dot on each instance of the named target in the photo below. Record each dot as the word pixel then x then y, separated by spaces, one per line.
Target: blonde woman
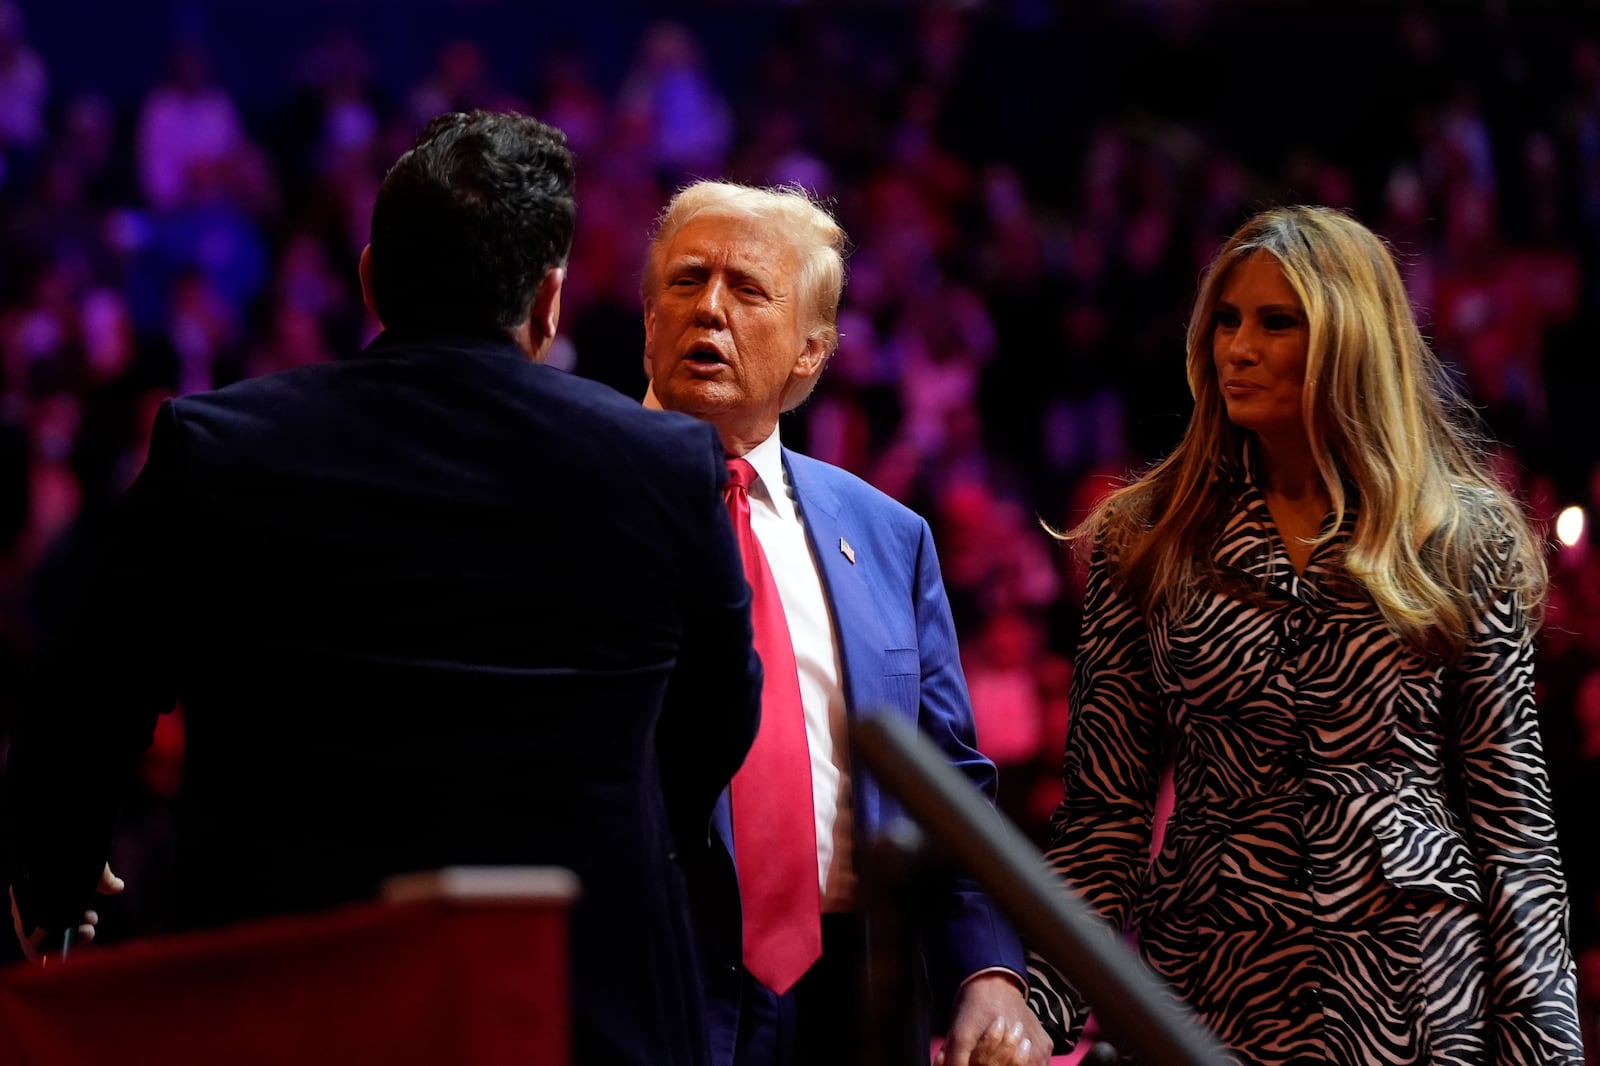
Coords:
pixel 1319 610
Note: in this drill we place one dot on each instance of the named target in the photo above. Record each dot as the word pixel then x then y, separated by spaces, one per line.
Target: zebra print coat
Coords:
pixel 1360 867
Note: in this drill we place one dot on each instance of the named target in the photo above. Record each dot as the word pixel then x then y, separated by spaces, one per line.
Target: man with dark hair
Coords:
pixel 471 222
pixel 433 605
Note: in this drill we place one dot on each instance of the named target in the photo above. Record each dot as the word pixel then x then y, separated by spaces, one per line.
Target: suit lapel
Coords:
pixel 849 585
pixel 852 592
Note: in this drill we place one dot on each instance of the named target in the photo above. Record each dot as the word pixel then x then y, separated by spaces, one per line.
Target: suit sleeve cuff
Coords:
pixel 1015 978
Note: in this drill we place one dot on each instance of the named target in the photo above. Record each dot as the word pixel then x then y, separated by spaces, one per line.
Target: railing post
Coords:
pixel 894 864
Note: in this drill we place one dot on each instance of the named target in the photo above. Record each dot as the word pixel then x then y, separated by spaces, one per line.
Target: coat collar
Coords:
pixel 486 340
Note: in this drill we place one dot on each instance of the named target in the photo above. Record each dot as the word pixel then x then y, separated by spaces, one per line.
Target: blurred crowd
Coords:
pixel 1030 194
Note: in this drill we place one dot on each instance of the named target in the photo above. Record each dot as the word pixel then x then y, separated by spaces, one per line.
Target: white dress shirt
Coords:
pixel 778 526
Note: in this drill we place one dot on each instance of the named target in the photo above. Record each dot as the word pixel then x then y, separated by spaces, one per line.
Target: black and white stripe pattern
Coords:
pixel 1318 898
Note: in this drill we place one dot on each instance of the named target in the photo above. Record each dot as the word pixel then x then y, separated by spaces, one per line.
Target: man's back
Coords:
pixel 423 607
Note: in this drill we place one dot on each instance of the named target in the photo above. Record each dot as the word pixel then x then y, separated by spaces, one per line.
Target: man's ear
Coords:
pixel 364 269
pixel 545 313
pixel 803 378
pixel 812 358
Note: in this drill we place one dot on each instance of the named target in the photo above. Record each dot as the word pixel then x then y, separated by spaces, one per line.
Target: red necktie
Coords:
pixel 774 823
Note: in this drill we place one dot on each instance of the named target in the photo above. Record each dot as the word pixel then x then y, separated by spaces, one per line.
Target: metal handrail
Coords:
pixel 1132 1006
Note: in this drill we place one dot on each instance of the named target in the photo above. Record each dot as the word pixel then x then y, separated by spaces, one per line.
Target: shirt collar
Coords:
pixel 767 458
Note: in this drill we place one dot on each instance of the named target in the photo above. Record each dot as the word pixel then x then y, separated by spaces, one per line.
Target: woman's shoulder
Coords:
pixel 1491 520
pixel 1483 504
pixel 1498 546
pixel 1115 529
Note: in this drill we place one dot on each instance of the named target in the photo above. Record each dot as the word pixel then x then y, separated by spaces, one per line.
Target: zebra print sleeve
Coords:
pixel 1100 834
pixel 1532 1004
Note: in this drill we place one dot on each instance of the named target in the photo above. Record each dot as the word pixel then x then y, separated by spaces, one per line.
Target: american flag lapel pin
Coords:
pixel 849 552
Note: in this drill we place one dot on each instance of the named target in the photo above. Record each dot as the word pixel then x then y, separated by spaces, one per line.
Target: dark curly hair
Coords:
pixel 469 220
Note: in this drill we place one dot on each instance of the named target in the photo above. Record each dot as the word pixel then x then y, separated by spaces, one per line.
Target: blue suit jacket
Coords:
pixel 898 655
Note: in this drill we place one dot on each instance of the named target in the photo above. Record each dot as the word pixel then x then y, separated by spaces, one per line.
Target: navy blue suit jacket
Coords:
pixel 432 605
pixel 898 654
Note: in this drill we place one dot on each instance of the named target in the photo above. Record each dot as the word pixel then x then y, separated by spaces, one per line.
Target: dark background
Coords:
pixel 1031 190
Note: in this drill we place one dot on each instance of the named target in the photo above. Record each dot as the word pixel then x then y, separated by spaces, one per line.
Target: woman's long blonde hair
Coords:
pixel 1392 436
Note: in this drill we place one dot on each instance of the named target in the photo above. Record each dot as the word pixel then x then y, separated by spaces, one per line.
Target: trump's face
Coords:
pixel 725 326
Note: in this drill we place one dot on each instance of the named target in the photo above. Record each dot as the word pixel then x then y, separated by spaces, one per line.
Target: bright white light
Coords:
pixel 1569 525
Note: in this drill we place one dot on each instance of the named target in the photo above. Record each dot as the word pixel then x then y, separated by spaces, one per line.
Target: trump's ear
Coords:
pixel 812 358
pixel 807 368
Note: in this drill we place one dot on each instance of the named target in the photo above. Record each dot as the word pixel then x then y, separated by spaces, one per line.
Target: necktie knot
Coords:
pixel 741 475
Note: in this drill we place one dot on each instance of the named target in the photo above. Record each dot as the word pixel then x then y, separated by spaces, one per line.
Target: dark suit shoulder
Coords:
pixel 666 430
pixel 257 391
pixel 422 390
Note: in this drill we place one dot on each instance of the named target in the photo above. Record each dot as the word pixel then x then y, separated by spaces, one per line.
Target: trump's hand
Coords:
pixel 32 941
pixel 992 1026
